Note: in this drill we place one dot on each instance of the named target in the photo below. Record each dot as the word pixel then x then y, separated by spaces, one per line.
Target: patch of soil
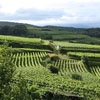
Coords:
pixel 51 54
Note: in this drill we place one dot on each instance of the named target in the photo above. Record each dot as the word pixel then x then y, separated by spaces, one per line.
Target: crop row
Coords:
pixel 28 59
pixel 95 70
pixel 70 66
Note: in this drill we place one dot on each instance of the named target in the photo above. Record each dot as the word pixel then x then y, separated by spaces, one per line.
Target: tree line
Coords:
pixel 21 30
pixel 17 30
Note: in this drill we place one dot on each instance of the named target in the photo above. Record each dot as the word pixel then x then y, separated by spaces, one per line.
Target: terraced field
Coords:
pixel 20 39
pixel 73 77
pixel 34 59
pixel 28 59
pixel 70 66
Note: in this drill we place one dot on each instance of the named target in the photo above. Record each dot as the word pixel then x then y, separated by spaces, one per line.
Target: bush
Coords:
pixel 54 58
pixel 53 69
pixel 46 60
pixel 7 69
pixel 84 59
pixel 76 77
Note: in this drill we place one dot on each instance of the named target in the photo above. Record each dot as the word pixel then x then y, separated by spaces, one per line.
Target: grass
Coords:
pixel 63 35
pixel 69 37
pixel 20 39
pixel 29 50
pixel 79 45
pixel 84 54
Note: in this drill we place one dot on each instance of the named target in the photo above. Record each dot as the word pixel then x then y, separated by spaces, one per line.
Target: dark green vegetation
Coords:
pixel 38 69
pixel 5 23
pixel 76 35
pixel 7 69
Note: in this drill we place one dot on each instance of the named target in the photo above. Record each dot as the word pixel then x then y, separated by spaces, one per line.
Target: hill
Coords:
pixel 71 34
pixel 73 75
pixel 5 23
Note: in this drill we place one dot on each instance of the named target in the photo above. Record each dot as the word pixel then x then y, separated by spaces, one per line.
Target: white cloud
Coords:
pixel 74 11
pixel 11 6
pixel 88 1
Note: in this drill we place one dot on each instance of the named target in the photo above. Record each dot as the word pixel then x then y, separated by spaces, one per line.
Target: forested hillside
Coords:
pixel 73 35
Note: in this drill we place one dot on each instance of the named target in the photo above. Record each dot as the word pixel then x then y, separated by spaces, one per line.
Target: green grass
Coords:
pixel 29 50
pixel 78 45
pixel 20 39
pixel 68 37
pixel 62 35
pixel 84 54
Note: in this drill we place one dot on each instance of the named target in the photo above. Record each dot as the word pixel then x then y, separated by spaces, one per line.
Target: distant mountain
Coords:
pixel 5 23
pixel 68 29
pixel 81 25
pixel 68 26
pixel 90 25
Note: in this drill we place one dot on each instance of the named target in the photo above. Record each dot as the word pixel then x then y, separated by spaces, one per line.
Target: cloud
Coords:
pixel 50 12
pixel 11 6
pixel 32 14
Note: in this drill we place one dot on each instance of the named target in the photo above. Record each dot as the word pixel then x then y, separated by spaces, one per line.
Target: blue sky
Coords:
pixel 50 12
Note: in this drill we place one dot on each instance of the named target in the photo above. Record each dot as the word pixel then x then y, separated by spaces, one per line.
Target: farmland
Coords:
pixel 44 72
pixel 32 69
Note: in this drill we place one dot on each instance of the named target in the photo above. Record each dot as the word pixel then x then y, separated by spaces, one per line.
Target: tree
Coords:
pixel 20 30
pixel 5 30
pixel 6 71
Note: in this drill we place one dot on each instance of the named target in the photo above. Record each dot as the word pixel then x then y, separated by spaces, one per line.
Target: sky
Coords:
pixel 51 12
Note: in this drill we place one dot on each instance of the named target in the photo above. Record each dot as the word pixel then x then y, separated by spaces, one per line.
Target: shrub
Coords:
pixel 54 58
pixel 7 69
pixel 53 69
pixel 76 77
pixel 84 59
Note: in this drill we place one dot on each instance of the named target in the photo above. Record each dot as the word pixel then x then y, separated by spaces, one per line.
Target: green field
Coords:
pixel 77 45
pixel 63 34
pixel 28 62
pixel 20 39
pixel 43 72
pixel 84 54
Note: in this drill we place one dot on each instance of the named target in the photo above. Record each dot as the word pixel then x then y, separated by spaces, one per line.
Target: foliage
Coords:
pixel 5 30
pixel 84 54
pixel 65 50
pixel 32 81
pixel 85 60
pixel 47 62
pixel 19 89
pixel 20 39
pixel 77 45
pixel 17 30
pixel 6 71
pixel 76 77
pixel 78 35
pixel 45 80
pixel 53 69
pixel 21 42
pixel 14 50
pixel 54 58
